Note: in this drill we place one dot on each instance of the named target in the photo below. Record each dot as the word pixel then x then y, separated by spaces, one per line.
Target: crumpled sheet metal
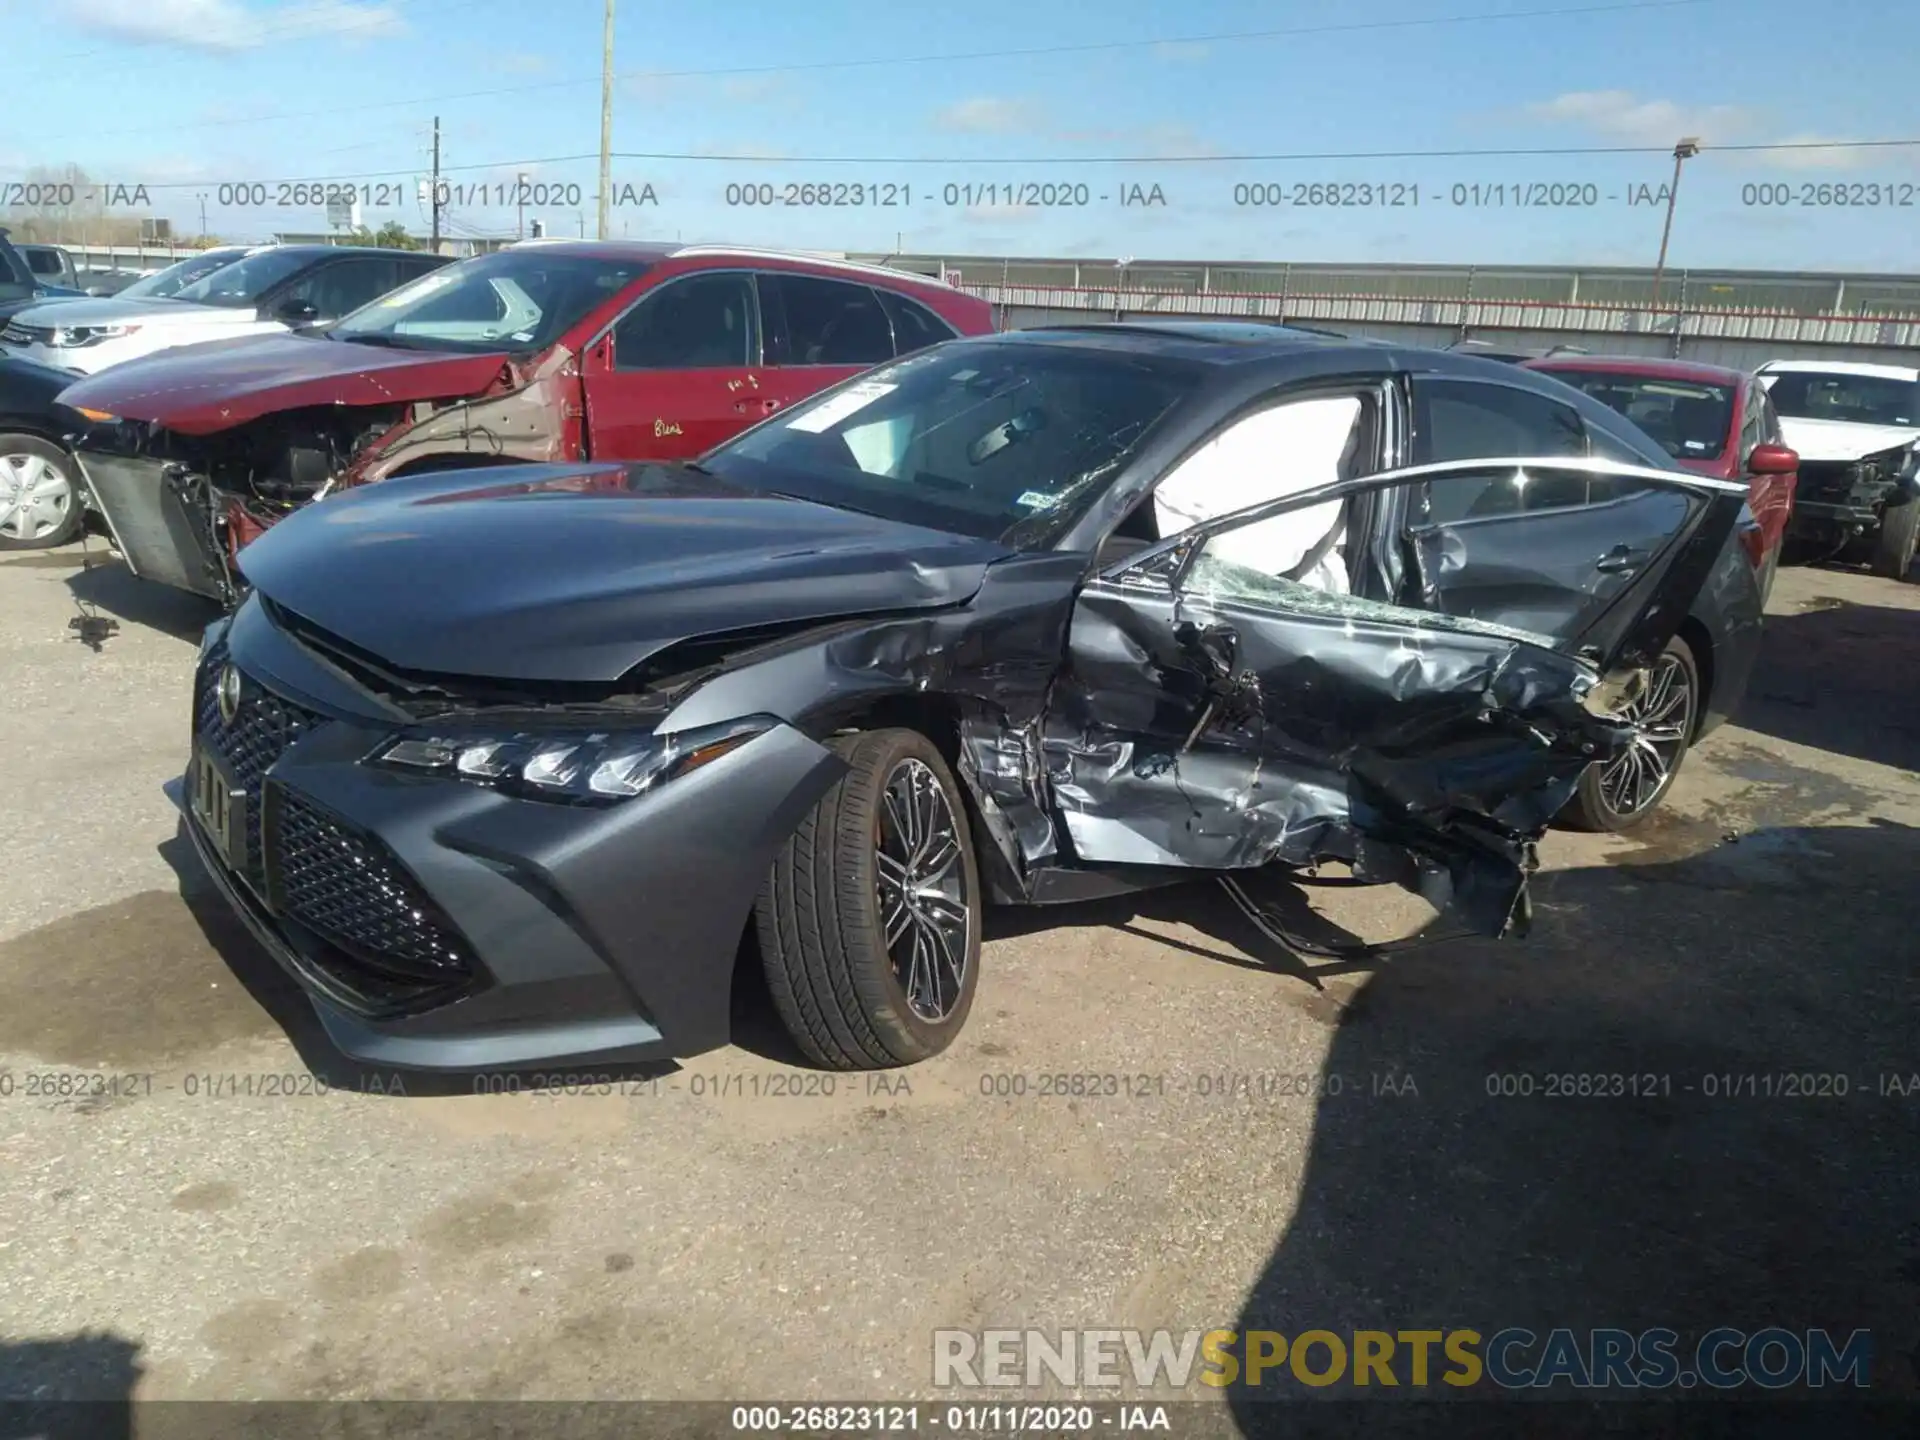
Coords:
pixel 1454 746
pixel 993 662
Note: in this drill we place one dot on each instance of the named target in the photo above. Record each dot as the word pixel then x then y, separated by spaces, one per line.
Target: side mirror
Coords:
pixel 1773 460
pixel 298 312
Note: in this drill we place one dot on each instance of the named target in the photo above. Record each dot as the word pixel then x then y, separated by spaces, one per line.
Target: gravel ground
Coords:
pixel 703 1237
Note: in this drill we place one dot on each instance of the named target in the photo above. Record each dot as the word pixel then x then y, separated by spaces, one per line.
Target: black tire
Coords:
pixel 835 983
pixel 1592 809
pixel 1894 543
pixel 14 444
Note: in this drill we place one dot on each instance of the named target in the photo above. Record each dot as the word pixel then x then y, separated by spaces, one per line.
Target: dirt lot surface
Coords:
pixel 1294 1145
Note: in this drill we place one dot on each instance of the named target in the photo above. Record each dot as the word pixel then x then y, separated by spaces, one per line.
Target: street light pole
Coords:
pixel 1682 153
pixel 606 121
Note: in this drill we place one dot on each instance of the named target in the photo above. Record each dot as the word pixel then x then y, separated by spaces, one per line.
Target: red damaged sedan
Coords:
pixel 1714 421
pixel 545 352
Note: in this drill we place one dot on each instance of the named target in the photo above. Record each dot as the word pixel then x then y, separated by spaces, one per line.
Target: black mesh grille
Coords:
pixel 263 727
pixel 350 890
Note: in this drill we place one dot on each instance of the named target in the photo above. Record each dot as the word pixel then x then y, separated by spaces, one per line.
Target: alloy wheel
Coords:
pixel 1662 718
pixel 35 498
pixel 924 905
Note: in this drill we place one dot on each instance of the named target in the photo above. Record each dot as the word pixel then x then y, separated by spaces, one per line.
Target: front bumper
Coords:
pixel 440 925
pixel 1836 500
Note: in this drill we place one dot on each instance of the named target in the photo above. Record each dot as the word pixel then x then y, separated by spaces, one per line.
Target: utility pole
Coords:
pixel 520 205
pixel 203 215
pixel 1682 153
pixel 606 121
pixel 433 195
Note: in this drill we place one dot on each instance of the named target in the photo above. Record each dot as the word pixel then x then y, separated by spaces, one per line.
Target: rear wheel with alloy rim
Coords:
pixel 1621 793
pixel 869 922
pixel 39 494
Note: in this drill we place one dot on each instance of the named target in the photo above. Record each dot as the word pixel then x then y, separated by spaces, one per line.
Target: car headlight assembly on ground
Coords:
pixel 584 767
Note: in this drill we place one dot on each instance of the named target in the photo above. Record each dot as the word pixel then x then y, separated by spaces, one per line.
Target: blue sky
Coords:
pixel 182 95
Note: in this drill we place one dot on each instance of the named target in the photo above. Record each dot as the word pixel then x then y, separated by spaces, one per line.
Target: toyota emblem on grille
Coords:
pixel 227 694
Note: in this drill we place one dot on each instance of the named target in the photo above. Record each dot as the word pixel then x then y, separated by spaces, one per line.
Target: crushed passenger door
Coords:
pixel 1216 716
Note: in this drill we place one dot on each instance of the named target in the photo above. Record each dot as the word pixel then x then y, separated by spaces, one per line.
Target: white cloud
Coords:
pixel 746 148
pixel 522 62
pixel 1622 116
pixel 1813 159
pixel 749 87
pixel 225 25
pixel 1000 211
pixel 988 115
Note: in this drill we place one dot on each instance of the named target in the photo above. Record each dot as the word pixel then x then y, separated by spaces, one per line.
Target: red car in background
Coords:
pixel 1713 420
pixel 549 351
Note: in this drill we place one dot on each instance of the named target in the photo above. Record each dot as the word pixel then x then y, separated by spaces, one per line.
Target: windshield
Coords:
pixel 1856 399
pixel 1000 441
pixel 167 283
pixel 511 299
pixel 1688 420
pixel 244 281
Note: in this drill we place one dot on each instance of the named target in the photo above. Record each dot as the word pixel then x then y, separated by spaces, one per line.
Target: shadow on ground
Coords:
pixel 1742 1023
pixel 78 1387
pixel 1840 676
pixel 105 586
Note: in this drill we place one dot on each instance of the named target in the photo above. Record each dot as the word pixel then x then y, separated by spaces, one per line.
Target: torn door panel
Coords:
pixel 1453 743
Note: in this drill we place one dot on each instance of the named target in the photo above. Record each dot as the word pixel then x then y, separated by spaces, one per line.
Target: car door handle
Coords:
pixel 760 405
pixel 1621 557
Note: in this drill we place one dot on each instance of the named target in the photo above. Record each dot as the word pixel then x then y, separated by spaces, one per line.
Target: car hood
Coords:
pixel 225 383
pixel 109 310
pixel 577 574
pixel 1842 440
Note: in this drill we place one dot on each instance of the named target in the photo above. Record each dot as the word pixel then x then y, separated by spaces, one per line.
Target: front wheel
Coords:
pixel 1894 544
pixel 1619 794
pixel 40 494
pixel 869 922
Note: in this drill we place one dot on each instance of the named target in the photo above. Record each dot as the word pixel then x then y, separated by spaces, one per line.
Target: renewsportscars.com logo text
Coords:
pixel 1772 1358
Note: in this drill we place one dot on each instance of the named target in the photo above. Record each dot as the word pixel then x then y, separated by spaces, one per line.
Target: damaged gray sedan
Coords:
pixel 508 767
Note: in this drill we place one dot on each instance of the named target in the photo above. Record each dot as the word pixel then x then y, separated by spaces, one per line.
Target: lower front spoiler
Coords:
pixel 613 1040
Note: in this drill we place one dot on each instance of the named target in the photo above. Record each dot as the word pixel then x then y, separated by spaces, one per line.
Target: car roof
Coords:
pixel 1841 367
pixel 650 251
pixel 308 252
pixel 1651 366
pixel 1216 342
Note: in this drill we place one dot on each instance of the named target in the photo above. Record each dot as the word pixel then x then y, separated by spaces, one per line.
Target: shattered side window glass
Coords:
pixel 1215 580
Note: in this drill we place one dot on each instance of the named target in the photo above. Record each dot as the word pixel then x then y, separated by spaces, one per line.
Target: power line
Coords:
pixel 949 58
pixel 1491 153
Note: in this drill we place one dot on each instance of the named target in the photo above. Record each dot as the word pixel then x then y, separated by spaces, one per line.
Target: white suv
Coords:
pixel 1857 428
pixel 264 290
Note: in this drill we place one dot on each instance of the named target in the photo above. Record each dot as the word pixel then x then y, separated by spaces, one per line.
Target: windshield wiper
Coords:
pixel 389 341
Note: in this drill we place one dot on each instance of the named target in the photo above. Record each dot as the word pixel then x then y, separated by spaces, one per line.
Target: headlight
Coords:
pixel 576 766
pixel 72 337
